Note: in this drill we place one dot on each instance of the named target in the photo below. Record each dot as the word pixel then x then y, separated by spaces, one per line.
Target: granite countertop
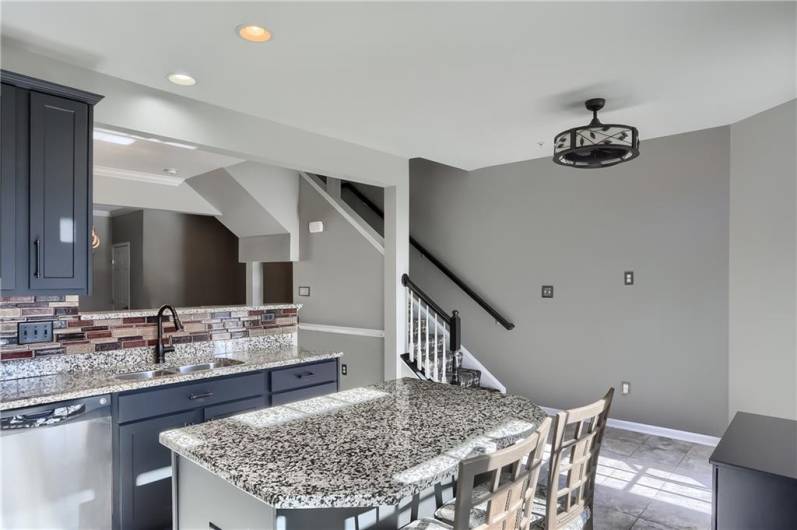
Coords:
pixel 29 391
pixel 370 446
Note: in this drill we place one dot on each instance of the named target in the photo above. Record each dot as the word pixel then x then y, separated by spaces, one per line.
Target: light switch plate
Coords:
pixel 547 291
pixel 33 332
pixel 304 291
pixel 625 388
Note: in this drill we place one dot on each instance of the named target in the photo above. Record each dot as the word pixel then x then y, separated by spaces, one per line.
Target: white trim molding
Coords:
pixel 138 176
pixel 342 330
pixel 666 432
pixel 350 215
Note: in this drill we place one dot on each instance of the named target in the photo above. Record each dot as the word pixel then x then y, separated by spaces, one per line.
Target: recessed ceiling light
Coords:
pixel 170 171
pixel 253 33
pixel 112 138
pixel 182 79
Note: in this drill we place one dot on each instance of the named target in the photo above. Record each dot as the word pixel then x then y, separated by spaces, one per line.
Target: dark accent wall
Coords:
pixel 190 260
pixel 278 282
pixel 102 275
pixel 130 227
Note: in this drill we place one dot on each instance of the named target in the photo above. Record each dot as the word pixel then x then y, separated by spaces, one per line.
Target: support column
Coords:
pixel 397 263
pixel 254 283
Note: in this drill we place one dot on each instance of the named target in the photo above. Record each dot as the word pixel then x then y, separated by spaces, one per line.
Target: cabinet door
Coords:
pixel 144 471
pixel 13 188
pixel 59 194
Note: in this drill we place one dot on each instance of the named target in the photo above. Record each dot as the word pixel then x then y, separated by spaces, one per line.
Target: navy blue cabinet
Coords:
pixel 142 472
pixel 45 242
pixel 145 488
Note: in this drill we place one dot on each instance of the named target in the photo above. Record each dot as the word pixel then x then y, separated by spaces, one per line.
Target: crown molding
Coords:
pixel 139 176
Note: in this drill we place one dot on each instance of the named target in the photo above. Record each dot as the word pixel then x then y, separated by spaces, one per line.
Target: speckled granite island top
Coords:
pixel 29 391
pixel 364 447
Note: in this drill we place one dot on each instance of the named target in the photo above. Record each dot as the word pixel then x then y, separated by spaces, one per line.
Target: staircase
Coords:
pixel 433 341
pixel 434 350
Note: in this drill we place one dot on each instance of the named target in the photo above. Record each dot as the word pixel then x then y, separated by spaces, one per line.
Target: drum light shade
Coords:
pixel 596 145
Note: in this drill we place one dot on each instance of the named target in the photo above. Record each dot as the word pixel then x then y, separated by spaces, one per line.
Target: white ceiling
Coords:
pixel 467 84
pixel 146 158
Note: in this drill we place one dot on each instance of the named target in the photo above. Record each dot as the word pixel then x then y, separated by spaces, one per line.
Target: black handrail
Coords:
pixel 439 264
pixel 406 282
pixel 454 321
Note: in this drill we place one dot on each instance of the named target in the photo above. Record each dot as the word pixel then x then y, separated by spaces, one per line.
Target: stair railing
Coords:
pixel 501 319
pixel 433 336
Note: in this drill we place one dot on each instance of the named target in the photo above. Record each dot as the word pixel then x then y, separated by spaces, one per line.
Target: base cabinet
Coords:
pixel 145 465
pixel 142 466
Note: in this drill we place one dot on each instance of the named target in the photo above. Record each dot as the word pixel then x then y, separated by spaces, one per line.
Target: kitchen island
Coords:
pixel 372 457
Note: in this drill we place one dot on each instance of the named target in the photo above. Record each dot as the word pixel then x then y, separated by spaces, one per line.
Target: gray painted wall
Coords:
pixel 509 229
pixel 763 250
pixel 190 260
pixel 362 355
pixel 101 293
pixel 344 272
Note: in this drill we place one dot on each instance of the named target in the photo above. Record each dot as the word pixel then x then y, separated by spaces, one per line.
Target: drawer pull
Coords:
pixel 200 396
pixel 305 374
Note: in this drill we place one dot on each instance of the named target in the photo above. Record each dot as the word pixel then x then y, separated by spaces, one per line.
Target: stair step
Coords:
pixel 468 377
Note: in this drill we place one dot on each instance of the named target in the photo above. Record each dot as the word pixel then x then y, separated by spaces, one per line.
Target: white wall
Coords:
pixel 138 108
pixel 137 194
pixel 763 263
pixel 276 189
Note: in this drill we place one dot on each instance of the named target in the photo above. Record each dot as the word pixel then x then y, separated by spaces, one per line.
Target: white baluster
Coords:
pixel 410 346
pixel 428 374
pixel 435 348
pixel 445 342
pixel 419 357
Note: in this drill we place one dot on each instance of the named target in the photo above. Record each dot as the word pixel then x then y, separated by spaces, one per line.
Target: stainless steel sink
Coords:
pixel 218 363
pixel 186 369
pixel 149 374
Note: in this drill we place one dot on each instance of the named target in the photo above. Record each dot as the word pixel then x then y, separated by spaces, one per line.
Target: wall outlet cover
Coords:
pixel 316 227
pixel 547 291
pixel 628 277
pixel 33 332
pixel 344 369
pixel 304 291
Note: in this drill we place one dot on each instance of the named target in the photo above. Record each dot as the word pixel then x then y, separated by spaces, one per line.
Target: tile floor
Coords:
pixel 652 483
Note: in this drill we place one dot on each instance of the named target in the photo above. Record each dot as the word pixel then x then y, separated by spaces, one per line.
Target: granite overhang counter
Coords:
pixel 356 449
pixel 30 391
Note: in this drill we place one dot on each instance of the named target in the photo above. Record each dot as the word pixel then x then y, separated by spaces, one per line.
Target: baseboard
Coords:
pixel 675 434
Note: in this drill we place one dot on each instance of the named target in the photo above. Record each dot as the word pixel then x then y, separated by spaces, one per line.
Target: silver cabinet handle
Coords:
pixel 38 247
pixel 200 396
pixel 305 374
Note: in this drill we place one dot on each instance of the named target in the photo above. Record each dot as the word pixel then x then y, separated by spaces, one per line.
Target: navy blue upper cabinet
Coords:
pixel 47 168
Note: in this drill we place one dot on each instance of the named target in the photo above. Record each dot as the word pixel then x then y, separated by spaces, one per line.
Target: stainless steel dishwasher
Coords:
pixel 56 465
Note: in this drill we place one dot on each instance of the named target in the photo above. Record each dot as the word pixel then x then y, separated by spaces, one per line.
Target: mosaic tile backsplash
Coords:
pixel 76 333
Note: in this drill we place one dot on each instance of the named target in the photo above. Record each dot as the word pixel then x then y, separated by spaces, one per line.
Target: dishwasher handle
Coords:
pixel 52 415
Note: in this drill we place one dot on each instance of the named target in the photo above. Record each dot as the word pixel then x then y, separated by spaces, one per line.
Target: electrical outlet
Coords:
pixel 32 332
pixel 547 291
pixel 625 387
pixel 628 277
pixel 344 369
